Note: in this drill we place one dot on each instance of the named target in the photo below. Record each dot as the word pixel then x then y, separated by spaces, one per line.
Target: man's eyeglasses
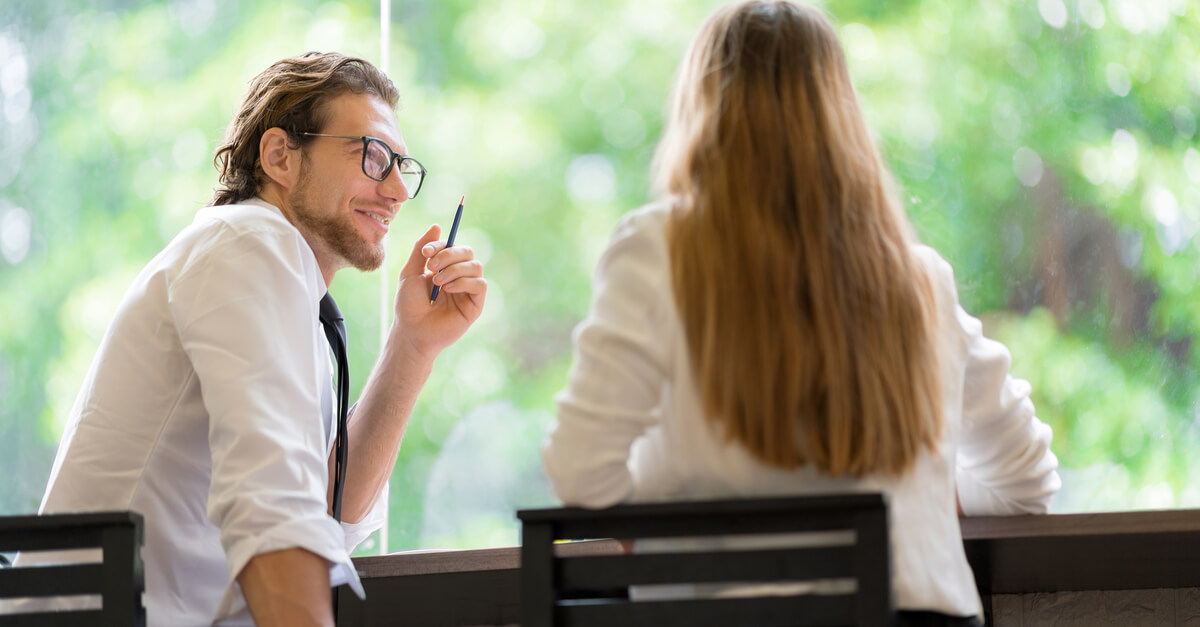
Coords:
pixel 378 159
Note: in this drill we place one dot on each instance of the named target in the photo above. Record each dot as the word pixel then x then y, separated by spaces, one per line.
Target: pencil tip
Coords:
pixel 463 199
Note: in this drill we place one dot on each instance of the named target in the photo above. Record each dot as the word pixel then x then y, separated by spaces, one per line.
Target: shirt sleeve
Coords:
pixel 370 523
pixel 621 362
pixel 1004 463
pixel 247 319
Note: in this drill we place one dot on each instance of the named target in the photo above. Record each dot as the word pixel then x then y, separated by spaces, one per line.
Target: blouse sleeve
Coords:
pixel 1004 463
pixel 622 353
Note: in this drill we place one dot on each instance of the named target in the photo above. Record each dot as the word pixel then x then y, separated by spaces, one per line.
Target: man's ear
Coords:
pixel 280 162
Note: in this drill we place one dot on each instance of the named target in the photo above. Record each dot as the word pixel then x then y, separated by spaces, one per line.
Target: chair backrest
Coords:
pixel 594 590
pixel 117 579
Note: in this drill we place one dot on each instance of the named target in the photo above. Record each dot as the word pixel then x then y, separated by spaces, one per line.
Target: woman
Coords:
pixel 771 326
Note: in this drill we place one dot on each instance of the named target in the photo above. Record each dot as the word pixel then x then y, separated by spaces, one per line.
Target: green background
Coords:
pixel 1046 148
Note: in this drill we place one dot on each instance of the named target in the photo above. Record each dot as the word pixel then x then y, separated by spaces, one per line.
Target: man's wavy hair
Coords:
pixel 291 95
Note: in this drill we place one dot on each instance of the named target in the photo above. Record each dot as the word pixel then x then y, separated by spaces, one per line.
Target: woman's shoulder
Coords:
pixel 932 261
pixel 649 220
pixel 939 271
pixel 641 233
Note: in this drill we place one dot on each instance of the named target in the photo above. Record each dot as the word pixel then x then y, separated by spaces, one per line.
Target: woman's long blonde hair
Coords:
pixel 810 322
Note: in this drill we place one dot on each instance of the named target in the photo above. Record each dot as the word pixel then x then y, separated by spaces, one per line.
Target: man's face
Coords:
pixel 342 212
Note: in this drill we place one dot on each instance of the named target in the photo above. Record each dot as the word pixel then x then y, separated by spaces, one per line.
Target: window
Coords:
pixel 1047 148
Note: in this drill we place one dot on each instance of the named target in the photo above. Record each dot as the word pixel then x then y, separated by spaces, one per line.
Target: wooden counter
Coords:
pixel 1061 552
pixel 1152 551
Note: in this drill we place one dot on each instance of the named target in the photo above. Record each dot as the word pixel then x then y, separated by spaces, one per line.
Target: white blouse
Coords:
pixel 631 426
pixel 208 409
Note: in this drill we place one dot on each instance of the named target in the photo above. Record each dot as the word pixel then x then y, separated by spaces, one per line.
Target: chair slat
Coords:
pixel 62 531
pixel 756 612
pixel 799 504
pixel 537 575
pixel 873 563
pixel 53 619
pixel 714 524
pixel 798 564
pixel 125 583
pixel 48 539
pixel 70 520
pixel 49 581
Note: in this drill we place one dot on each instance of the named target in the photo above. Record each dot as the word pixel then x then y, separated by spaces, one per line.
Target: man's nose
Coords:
pixel 393 186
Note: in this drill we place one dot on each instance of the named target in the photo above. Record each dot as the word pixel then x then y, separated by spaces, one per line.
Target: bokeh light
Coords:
pixel 1028 166
pixel 15 227
pixel 591 178
pixel 1054 12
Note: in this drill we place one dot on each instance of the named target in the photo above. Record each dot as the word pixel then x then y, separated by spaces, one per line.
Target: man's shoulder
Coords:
pixel 252 223
pixel 228 233
pixel 251 215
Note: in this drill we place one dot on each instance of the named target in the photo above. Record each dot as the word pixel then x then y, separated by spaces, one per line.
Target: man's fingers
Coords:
pixel 445 258
pixel 464 269
pixel 475 287
pixel 416 259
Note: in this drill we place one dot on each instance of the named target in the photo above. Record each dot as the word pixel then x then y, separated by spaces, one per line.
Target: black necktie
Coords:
pixel 335 332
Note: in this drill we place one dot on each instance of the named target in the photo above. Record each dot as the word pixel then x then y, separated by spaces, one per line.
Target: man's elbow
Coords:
pixel 287 587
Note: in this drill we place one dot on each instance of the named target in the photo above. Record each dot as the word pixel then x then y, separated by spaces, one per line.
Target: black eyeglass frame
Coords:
pixel 395 158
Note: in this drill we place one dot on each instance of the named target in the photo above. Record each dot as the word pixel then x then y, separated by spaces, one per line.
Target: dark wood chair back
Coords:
pixel 117 579
pixel 593 590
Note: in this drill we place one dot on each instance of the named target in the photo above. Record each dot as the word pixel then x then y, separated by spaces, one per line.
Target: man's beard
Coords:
pixel 337 232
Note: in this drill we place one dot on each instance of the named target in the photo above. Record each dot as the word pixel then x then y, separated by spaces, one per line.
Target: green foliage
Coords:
pixel 1055 168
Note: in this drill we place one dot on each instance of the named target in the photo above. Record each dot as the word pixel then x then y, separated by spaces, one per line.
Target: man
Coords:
pixel 209 407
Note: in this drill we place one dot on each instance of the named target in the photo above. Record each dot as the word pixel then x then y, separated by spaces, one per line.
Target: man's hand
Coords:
pixel 430 328
pixel 422 329
pixel 288 587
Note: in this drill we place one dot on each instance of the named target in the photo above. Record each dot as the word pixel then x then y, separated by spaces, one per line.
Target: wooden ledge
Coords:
pixel 1009 554
pixel 434 562
pixel 1090 524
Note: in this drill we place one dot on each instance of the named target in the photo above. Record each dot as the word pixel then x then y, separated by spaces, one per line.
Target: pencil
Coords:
pixel 450 242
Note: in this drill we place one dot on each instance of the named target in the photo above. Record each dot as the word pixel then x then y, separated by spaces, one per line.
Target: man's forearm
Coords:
pixel 288 587
pixel 421 331
pixel 380 418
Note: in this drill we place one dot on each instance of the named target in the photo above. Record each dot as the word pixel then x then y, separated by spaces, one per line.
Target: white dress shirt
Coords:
pixel 208 409
pixel 631 425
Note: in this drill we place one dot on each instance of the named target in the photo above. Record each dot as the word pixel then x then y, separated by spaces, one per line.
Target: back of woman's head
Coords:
pixel 810 323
